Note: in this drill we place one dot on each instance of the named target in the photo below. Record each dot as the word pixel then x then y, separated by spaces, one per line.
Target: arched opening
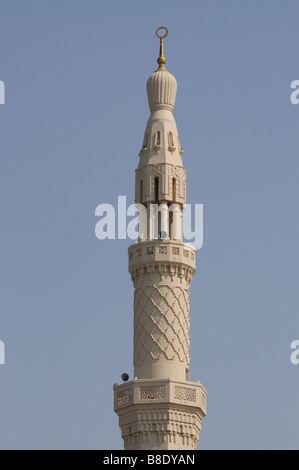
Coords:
pixel 171 225
pixel 158 138
pixel 173 190
pixel 156 190
pixel 170 139
pixel 159 224
pixel 145 141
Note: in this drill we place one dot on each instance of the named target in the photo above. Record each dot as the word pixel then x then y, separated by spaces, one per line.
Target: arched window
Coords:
pixel 179 145
pixel 181 151
pixel 171 225
pixel 141 191
pixel 156 189
pixel 170 139
pixel 159 224
pixel 173 189
pixel 158 138
pixel 145 141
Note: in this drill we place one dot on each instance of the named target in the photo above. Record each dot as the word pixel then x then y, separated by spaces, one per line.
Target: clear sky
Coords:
pixel 70 132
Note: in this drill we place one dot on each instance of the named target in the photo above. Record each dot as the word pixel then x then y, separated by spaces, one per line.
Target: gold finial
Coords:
pixel 161 61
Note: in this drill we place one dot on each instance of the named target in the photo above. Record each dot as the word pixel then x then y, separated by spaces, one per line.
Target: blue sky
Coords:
pixel 70 133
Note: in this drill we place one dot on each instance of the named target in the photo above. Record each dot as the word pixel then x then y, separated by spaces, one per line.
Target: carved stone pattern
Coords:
pixel 159 169
pixel 183 272
pixel 170 426
pixel 125 396
pixel 150 250
pixel 175 251
pixel 162 250
pixel 161 323
pixel 184 393
pixel 151 392
pixel 186 253
pixel 204 401
pixel 174 172
pixel 138 252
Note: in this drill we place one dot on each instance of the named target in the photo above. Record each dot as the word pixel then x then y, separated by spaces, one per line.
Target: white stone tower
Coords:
pixel 161 409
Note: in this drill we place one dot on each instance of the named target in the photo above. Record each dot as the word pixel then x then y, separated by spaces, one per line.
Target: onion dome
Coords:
pixel 161 85
pixel 161 90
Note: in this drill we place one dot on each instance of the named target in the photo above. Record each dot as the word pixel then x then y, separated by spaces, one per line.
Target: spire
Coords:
pixel 161 61
pixel 161 85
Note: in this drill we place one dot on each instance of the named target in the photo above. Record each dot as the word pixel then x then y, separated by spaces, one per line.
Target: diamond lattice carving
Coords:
pixel 161 323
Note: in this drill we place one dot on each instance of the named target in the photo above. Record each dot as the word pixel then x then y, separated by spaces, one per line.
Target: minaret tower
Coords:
pixel 161 409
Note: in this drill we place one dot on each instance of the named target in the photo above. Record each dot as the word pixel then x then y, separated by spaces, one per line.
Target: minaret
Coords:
pixel 161 409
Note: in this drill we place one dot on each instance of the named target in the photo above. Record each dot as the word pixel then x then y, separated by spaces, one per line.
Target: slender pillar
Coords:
pixel 177 222
pixel 149 223
pixel 164 220
pixel 142 218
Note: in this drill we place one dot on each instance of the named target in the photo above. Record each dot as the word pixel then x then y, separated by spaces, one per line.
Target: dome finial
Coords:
pixel 161 61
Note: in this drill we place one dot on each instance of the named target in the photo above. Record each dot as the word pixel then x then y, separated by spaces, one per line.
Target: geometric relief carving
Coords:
pixel 125 396
pixel 184 393
pixel 151 392
pixel 161 323
pixel 204 401
pixel 170 427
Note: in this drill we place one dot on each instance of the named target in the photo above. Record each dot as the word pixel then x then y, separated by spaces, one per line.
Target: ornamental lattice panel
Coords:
pixel 184 393
pixel 152 392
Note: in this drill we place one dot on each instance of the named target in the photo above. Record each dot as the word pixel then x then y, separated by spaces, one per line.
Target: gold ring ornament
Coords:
pixel 161 61
pixel 164 36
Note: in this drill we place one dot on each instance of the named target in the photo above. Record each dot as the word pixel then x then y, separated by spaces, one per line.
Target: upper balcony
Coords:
pixel 157 252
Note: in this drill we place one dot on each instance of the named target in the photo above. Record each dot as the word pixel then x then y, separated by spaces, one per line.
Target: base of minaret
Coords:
pixel 160 414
